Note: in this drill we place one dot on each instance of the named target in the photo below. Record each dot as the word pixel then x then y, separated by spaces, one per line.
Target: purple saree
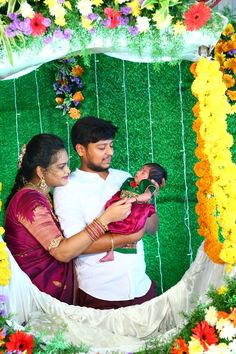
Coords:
pixel 32 234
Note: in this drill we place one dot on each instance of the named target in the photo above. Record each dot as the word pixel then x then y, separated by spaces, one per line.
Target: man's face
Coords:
pixel 97 156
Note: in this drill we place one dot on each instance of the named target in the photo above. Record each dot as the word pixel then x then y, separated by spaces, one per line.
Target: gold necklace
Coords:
pixel 48 197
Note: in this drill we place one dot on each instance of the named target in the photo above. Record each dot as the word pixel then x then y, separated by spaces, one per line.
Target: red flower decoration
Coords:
pixel 113 17
pixel 179 347
pixel 20 341
pixel 133 184
pixel 197 16
pixel 205 334
pixel 37 24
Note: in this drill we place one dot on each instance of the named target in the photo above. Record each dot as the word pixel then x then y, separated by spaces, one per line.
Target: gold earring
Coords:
pixel 42 184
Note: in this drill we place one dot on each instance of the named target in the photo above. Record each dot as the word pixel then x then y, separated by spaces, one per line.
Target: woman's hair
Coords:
pixel 157 172
pixel 91 130
pixel 40 151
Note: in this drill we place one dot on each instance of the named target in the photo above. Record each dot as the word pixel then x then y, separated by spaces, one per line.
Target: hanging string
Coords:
pixel 152 159
pixel 126 117
pixel 186 202
pixel 96 83
pixel 68 141
pixel 150 112
pixel 17 114
pixel 38 101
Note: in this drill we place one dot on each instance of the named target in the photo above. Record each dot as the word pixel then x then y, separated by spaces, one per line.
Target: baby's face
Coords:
pixel 141 174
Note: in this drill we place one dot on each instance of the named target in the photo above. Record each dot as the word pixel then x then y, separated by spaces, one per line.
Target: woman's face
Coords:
pixel 57 173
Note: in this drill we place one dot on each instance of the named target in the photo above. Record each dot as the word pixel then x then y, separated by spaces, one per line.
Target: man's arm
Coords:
pixel 105 243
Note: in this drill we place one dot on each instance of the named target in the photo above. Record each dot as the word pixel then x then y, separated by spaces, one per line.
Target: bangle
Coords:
pixel 103 224
pixel 112 243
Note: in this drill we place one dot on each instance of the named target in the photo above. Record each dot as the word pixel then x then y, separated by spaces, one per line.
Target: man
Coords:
pixel 122 282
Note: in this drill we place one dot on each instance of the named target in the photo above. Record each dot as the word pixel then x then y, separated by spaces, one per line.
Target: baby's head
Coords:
pixel 153 171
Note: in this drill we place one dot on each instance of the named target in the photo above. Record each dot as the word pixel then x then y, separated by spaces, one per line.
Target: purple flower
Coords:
pixel 47 40
pixel 11 31
pixel 12 16
pixel 123 21
pixel 67 33
pixel 133 30
pixel 126 10
pixel 25 27
pixel 92 31
pixel 232 52
pixel 3 298
pixel 75 103
pixel 141 2
pixel 3 312
pixel 16 23
pixel 93 17
pixel 61 1
pixel 46 22
pixel 58 33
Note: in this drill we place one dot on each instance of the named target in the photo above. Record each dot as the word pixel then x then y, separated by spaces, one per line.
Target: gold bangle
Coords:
pixel 112 243
pixel 103 224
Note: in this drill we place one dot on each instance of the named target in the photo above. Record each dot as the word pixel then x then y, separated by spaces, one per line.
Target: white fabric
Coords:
pixel 77 203
pixel 124 329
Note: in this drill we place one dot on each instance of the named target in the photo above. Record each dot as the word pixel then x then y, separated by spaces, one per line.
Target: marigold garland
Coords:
pixel 5 272
pixel 68 87
pixel 217 173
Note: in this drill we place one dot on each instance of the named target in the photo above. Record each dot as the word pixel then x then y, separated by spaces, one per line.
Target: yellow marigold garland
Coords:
pixel 5 272
pixel 217 173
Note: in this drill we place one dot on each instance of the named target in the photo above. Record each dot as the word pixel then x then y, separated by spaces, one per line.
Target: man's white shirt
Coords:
pixel 77 203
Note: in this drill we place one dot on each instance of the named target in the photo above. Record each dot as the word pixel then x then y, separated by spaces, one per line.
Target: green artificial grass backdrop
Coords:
pixel 153 109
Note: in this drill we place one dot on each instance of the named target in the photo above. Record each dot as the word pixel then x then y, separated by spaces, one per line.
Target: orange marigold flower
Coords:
pixel 228 80
pixel 232 316
pixel 74 113
pixel 230 64
pixel 78 96
pixel 218 47
pixel 179 347
pixel 220 57
pixel 197 16
pixel 231 94
pixel 213 250
pixel 222 314
pixel 196 111
pixel 59 100
pixel 193 69
pixel 77 71
pixel 229 30
pixel 228 46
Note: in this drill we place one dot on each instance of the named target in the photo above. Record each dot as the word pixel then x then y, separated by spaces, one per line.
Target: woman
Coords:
pixel 32 230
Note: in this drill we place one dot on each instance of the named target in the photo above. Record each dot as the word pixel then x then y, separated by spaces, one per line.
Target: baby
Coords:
pixel 141 190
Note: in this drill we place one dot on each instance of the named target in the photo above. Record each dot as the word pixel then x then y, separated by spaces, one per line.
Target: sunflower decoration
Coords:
pixel 225 54
pixel 68 87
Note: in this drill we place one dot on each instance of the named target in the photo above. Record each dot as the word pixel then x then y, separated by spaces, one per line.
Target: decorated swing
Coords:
pixel 126 31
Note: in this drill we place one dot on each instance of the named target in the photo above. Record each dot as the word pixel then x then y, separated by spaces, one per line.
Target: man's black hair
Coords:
pixel 91 130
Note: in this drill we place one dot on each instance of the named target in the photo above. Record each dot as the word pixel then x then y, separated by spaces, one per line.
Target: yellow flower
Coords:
pixel 0 186
pixel 179 27
pixel 162 21
pixel 60 21
pixel 195 346
pixel 135 8
pixel 50 3
pixel 1 231
pixel 68 5
pixel 229 29
pixel 211 315
pixel 86 23
pixel 222 290
pixel 97 2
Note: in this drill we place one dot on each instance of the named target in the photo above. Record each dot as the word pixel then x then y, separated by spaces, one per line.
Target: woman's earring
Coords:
pixel 42 184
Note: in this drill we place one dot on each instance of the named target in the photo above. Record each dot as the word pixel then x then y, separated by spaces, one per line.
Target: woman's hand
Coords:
pixel 116 211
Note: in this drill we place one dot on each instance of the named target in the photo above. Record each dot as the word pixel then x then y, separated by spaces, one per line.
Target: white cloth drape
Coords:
pixel 124 329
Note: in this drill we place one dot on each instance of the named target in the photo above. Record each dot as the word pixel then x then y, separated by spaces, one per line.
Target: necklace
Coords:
pixel 48 197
